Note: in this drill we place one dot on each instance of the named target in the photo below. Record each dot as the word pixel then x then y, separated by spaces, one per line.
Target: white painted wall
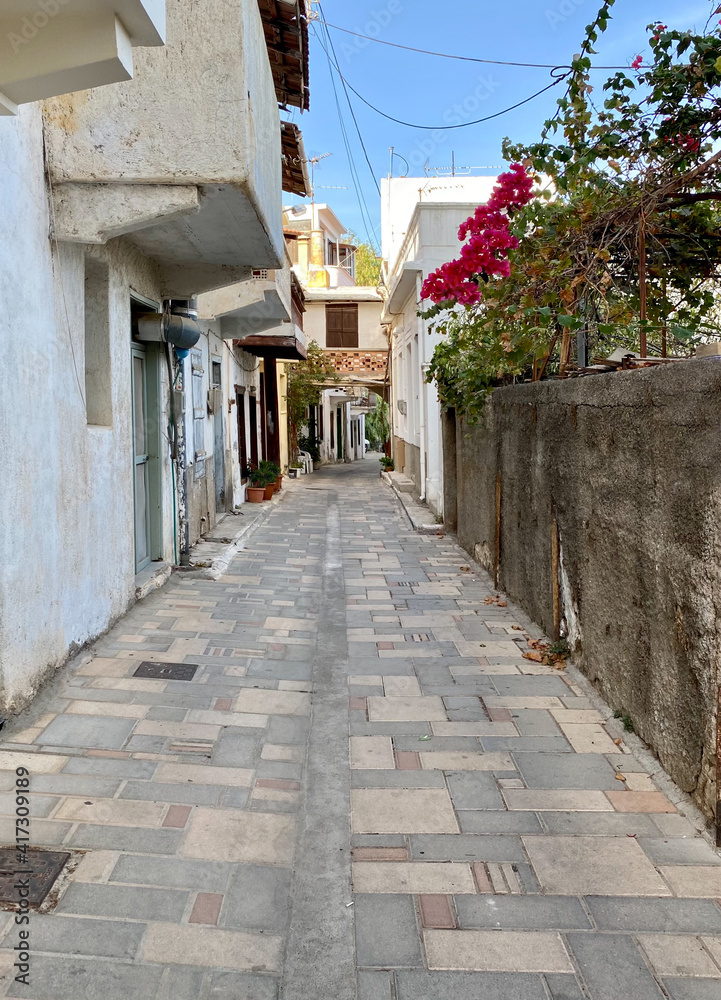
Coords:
pixel 401 195
pixel 370 331
pixel 67 565
pixel 421 235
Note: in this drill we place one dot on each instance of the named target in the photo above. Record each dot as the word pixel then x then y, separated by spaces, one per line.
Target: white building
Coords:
pixel 420 218
pixel 117 202
pixel 345 320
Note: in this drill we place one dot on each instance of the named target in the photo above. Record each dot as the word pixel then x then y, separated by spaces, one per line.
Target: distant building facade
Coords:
pixel 345 320
pixel 420 220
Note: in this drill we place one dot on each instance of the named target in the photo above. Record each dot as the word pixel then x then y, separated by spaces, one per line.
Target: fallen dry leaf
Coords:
pixel 536 657
pixel 618 742
pixel 560 665
pixel 502 604
pixel 465 569
pixel 621 777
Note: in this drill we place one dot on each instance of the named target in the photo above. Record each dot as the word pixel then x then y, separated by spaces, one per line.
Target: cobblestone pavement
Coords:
pixel 474 840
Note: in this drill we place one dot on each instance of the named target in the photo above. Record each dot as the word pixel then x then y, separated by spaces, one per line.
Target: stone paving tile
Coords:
pixel 593 865
pixel 79 936
pixel 56 977
pixel 126 902
pixel 386 931
pixel 412 877
pixel 427 810
pixel 678 955
pixel 692 989
pixel 421 985
pixel 688 916
pixel 484 794
pixel 496 951
pixel 522 912
pixel 612 967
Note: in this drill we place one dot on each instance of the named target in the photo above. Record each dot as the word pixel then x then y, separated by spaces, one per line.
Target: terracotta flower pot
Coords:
pixel 279 483
pixel 255 494
pixel 269 491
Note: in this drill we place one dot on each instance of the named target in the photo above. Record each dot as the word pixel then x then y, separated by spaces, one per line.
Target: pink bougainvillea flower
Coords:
pixel 490 239
pixel 637 62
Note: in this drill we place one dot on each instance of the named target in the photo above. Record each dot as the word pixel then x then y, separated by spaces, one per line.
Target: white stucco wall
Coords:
pixel 370 332
pixel 67 561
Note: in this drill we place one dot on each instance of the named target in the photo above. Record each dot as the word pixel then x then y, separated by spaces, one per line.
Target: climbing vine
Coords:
pixel 620 244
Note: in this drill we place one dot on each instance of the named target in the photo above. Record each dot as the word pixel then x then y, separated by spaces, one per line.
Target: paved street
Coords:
pixel 482 837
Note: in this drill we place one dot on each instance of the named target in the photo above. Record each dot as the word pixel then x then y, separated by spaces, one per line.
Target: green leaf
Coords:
pixel 570 322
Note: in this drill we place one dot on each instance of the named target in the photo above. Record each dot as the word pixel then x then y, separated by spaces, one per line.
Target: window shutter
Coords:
pixel 350 327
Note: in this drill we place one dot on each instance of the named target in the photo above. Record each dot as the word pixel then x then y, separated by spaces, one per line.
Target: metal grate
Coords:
pixel 167 671
pixel 38 871
pixel 421 637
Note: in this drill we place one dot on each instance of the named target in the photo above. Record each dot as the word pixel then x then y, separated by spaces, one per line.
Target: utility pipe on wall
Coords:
pixel 422 386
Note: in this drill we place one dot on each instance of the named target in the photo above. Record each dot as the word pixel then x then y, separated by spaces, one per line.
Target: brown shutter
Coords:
pixel 341 326
pixel 350 327
pixel 334 326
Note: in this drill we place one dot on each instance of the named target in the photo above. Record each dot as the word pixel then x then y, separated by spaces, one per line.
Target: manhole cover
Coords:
pixel 167 671
pixel 37 874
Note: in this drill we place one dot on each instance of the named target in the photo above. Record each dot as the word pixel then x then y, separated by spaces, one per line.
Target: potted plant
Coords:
pixel 255 489
pixel 388 463
pixel 273 473
pixel 294 470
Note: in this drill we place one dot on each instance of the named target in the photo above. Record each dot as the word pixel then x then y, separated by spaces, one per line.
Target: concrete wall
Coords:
pixel 67 566
pixel 370 332
pixel 628 466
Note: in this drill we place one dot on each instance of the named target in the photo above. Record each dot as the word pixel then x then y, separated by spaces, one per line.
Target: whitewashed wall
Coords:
pixel 67 560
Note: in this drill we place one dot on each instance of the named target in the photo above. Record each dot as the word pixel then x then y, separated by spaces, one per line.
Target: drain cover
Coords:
pixel 38 874
pixel 167 671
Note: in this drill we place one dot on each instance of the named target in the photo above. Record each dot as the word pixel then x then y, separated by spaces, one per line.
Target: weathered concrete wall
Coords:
pixel 67 561
pixel 629 465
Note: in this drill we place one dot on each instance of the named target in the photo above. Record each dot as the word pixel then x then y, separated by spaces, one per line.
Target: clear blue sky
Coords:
pixel 426 90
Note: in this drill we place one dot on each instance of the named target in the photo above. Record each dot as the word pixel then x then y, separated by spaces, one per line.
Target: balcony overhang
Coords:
pixel 200 116
pixel 295 163
pixel 189 231
pixel 286 36
pixel 283 347
pixel 401 287
pixel 57 47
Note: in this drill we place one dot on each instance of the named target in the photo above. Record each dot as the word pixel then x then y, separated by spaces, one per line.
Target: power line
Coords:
pixel 364 211
pixel 444 128
pixel 446 55
pixel 350 105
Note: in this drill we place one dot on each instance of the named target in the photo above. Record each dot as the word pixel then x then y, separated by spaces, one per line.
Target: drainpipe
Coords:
pixel 184 309
pixel 422 386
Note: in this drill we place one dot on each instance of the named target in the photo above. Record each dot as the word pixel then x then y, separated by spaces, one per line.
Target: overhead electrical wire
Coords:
pixel 446 55
pixel 364 211
pixel 444 128
pixel 350 105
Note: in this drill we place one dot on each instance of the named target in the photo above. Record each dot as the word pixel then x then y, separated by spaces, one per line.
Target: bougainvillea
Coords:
pixel 485 255
pixel 556 283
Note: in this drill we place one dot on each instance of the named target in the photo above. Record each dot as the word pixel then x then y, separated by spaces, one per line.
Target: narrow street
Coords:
pixel 481 837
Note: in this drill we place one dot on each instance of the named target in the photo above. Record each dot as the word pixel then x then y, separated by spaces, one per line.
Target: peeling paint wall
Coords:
pixel 630 465
pixel 67 560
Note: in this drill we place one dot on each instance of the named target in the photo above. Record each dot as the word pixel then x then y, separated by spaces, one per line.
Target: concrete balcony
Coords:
pixel 249 307
pixel 264 316
pixel 58 46
pixel 184 161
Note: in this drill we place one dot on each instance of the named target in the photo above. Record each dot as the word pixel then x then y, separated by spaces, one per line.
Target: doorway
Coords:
pixel 242 440
pixel 141 470
pixel 254 431
pixel 216 376
pixel 339 433
pixel 147 438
